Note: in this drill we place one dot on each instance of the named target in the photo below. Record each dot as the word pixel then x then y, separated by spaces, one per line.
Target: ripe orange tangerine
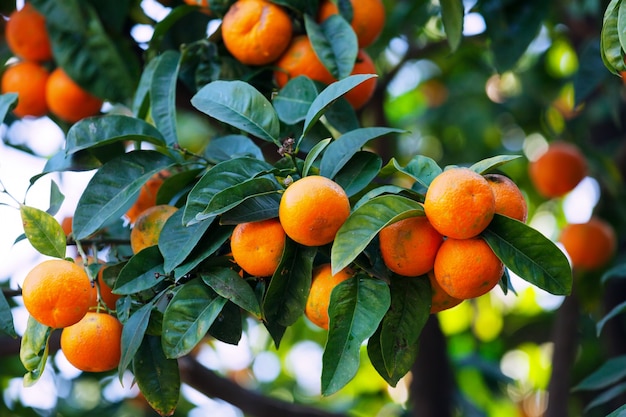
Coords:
pixel 147 195
pixel 368 18
pixel 147 228
pixel 312 209
pixel 67 100
pixel 257 247
pixel 459 203
pixel 509 199
pixel 409 247
pixel 558 170
pixel 441 300
pixel 28 79
pixel 590 245
pixel 362 93
pixel 26 34
pixel 300 59
pixel 322 285
pixel 106 293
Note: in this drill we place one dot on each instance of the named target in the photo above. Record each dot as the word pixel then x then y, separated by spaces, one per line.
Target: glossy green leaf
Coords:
pixel 240 105
pixel 609 373
pixel 6 317
pixel 219 178
pixel 486 165
pixel 163 94
pixel 102 130
pixel 177 241
pixel 257 207
pixel 529 254
pixel 607 396
pixel 356 308
pixel 342 117
pixel 86 160
pixel 233 196
pixel 452 15
pixel 293 100
pixel 312 155
pixel 383 189
pixel 610 46
pixel 359 172
pixel 188 317
pixel 212 240
pixel 365 223
pixel 114 188
pixel 133 334
pixel 288 289
pixel 228 327
pixel 34 350
pixel 43 231
pixel 327 97
pixel 8 102
pixel 616 311
pixel 344 147
pixel 223 148
pixel 227 283
pixel 141 99
pixel 56 199
pixel 335 43
pixel 141 272
pixel 157 377
pixel 421 168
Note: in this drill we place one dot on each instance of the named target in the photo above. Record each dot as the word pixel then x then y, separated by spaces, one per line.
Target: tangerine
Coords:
pixel 558 170
pixel 322 284
pixel 409 246
pixel 28 79
pixel 56 293
pixel 26 34
pixel 106 293
pixel 94 343
pixel 440 300
pixel 256 32
pixel 300 59
pixel 257 247
pixel 67 100
pixel 147 196
pixel 312 209
pixel 368 18
pixel 148 226
pixel 362 93
pixel 509 199
pixel 590 245
pixel 467 268
pixel 459 203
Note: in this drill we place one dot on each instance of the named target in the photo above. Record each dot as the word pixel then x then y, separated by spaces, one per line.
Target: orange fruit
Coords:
pixel 67 100
pixel 558 170
pixel 322 284
pixel 106 294
pixel 363 92
pixel 509 199
pixel 26 34
pixel 94 343
pixel 28 79
pixel 312 209
pixel 441 300
pixel 368 18
pixel 256 32
pixel 589 245
pixel 148 226
pixel 467 268
pixel 300 59
pixel 147 196
pixel 409 246
pixel 459 203
pixel 203 4
pixel 258 246
pixel 66 225
pixel 56 293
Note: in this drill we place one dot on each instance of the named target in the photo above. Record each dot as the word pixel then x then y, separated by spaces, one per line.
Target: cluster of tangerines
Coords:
pixel 41 91
pixel 259 32
pixel 556 172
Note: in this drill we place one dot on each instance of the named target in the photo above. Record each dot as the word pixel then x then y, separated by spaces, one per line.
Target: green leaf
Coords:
pixel 357 305
pixel 293 101
pixel 313 154
pixel 240 105
pixel 228 284
pixel 102 130
pixel 222 176
pixel 6 317
pixel 616 311
pixel 212 240
pixel 610 46
pixel 141 100
pixel 591 73
pixel 486 165
pixel 188 317
pixel 143 271
pixel 233 196
pixel 529 254
pixel 393 348
pixel 257 207
pixel 344 147
pixel 158 377
pixel 43 231
pixel 364 224
pixel 56 199
pixel 607 396
pixel 618 271
pixel 133 334
pixel 619 412
pixel 228 147
pixel 452 15
pixel 114 188
pixel 8 102
pixel 359 172
pixel 177 241
pixel 327 97
pixel 609 373
pixel 34 350
pixel 228 326
pixel 335 43
pixel 286 295
pixel 163 94
pixel 421 168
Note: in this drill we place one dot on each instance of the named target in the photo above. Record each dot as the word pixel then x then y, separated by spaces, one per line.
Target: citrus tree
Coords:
pixel 269 167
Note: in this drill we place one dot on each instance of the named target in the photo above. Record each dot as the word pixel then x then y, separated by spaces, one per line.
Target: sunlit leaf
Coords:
pixel 228 284
pixel 43 231
pixel 610 45
pixel 421 168
pixel 313 154
pixel 486 165
pixel 34 350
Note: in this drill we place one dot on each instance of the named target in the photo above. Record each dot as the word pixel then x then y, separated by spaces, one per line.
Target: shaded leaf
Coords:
pixel 228 284
pixel 359 172
pixel 143 271
pixel 452 15
pixel 293 100
pixel 607 396
pixel 234 195
pixel 133 334
pixel 228 147
pixel 177 241
pixel 163 94
pixel 610 372
pixel 615 311
pixel 312 155
pixel 6 317
pixel 421 168
pixel 618 271
pixel 228 326
pixel 335 43
pixel 43 231
pixel 8 101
